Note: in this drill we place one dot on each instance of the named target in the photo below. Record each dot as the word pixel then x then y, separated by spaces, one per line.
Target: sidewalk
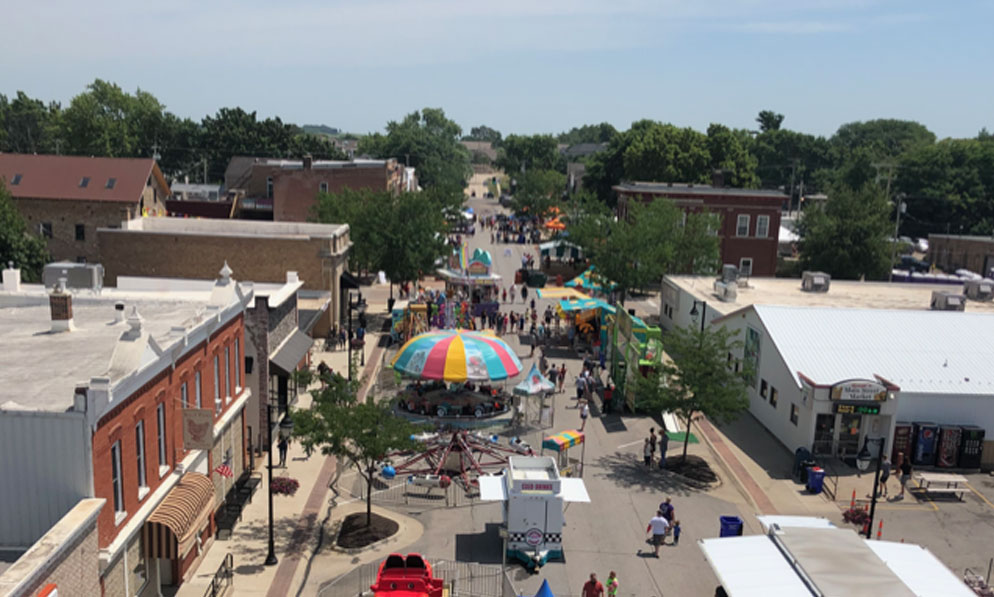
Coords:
pixel 295 519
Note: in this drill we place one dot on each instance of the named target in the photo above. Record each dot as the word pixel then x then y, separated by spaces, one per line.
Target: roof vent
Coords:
pixel 225 274
pixel 135 320
pixel 60 304
pixel 11 278
pixel 292 277
pixel 947 301
pixel 729 273
pixel 726 292
pixel 979 290
pixel 815 281
pixel 118 312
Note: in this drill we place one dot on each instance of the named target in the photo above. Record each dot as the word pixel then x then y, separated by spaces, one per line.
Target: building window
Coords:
pixel 198 389
pixel 84 182
pixel 745 266
pixel 16 180
pixel 110 183
pixel 80 258
pixel 115 467
pixel 80 232
pixel 238 366
pixel 269 187
pixel 762 226
pixel 160 422
pixel 793 414
pixel 183 396
pixel 45 229
pixel 140 453
pixel 227 373
pixel 773 397
pixel 742 225
pixel 762 388
pixel 323 187
pixel 217 383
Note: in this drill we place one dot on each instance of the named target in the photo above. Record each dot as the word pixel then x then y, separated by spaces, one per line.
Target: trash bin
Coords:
pixel 816 479
pixel 806 466
pixel 731 526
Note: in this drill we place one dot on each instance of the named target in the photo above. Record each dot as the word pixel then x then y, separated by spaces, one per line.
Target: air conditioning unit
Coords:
pixel 815 281
pixel 729 273
pixel 979 290
pixel 725 291
pixel 947 301
pixel 79 276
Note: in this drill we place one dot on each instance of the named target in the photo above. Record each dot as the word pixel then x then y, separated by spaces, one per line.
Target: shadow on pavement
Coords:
pixel 481 548
pixel 627 472
pixel 612 423
pixel 753 439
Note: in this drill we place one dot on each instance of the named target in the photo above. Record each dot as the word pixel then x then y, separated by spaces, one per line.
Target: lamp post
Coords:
pixel 704 310
pixel 360 305
pixel 863 463
pixel 286 427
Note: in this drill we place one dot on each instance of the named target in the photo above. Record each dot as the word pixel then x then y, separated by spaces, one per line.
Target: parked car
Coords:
pixel 921 245
pixel 913 264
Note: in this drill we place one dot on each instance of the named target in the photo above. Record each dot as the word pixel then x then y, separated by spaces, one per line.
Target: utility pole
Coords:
pixel 890 167
pixel 790 198
pixel 205 170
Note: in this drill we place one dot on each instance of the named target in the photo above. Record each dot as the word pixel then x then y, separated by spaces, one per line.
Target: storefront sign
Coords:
pixel 860 390
pixel 477 268
pixel 857 409
pixel 198 428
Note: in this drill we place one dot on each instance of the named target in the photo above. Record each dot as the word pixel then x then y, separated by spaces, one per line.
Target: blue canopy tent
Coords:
pixel 544 590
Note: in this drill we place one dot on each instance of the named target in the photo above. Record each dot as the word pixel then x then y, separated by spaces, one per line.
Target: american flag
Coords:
pixel 224 470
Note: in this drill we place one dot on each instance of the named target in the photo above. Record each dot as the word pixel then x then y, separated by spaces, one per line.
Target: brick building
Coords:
pixel 259 251
pixel 155 362
pixel 750 218
pixel 289 188
pixel 951 252
pixel 66 198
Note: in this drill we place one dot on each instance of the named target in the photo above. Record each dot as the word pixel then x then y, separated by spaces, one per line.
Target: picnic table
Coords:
pixel 942 483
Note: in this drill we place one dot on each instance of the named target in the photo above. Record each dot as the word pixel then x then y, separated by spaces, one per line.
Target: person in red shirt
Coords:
pixel 593 587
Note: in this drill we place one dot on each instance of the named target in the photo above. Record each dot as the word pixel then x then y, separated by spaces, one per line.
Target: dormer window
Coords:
pixel 16 180
pixel 85 181
pixel 110 183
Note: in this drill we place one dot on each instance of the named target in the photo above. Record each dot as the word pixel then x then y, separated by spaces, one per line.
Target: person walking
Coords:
pixel 652 440
pixel 512 293
pixel 503 295
pixel 282 446
pixel 664 444
pixel 905 468
pixel 676 532
pixel 658 526
pixel 584 413
pixel 593 587
pixel 524 293
pixel 647 453
pixel 580 383
pixel 562 377
pixel 884 475
pixel 612 584
pixel 668 511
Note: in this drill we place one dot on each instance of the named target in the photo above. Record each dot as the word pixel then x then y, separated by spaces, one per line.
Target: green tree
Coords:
pixel 25 250
pixel 784 156
pixel 883 138
pixel 698 379
pixel 769 121
pixel 520 153
pixel 663 152
pixel 359 208
pixel 428 141
pixel 848 237
pixel 538 190
pixel 412 235
pixel 588 133
pixel 362 433
pixel 27 125
pixel 483 133
pixel 730 154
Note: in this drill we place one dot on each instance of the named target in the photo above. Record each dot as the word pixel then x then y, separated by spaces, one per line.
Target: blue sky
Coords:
pixel 522 66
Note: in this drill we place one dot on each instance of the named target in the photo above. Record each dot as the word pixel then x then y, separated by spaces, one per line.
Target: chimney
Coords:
pixel 308 161
pixel 60 302
pixel 118 312
pixel 717 179
pixel 11 278
pixel 292 278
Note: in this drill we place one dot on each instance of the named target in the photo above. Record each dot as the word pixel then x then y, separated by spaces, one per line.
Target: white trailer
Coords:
pixel 534 496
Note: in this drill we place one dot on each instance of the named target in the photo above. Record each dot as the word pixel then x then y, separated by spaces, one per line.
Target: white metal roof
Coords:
pixel 946 352
pixel 752 566
pixel 918 568
pixel 492 488
pixel 810 522
pixel 573 490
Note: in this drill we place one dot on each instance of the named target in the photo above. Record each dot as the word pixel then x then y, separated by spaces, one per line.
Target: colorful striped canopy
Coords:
pixel 457 356
pixel 591 280
pixel 561 441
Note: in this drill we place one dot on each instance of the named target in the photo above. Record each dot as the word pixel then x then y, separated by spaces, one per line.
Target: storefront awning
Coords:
pixel 292 351
pixel 347 280
pixel 172 528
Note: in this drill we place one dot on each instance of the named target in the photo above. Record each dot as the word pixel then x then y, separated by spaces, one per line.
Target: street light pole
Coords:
pixel 271 557
pixel 704 310
pixel 350 335
pixel 864 459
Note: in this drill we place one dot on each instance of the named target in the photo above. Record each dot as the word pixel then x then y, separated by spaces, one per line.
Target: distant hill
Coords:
pixel 321 129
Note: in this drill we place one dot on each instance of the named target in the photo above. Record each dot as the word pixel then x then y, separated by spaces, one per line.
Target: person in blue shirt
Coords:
pixel 676 532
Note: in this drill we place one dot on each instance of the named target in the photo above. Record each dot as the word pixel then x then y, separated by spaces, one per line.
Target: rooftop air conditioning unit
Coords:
pixel 79 276
pixel 979 290
pixel 729 273
pixel 725 291
pixel 815 281
pixel 947 301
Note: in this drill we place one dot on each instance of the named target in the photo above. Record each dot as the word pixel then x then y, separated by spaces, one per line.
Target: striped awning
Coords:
pixel 172 528
pixel 562 441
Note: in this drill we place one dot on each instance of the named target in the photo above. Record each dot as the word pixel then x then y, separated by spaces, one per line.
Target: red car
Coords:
pixel 406 577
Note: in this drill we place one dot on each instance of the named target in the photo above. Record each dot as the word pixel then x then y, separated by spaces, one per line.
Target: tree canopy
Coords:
pixel 483 133
pixel 25 250
pixel 519 153
pixel 588 133
pixel 769 120
pixel 847 238
pixel 538 190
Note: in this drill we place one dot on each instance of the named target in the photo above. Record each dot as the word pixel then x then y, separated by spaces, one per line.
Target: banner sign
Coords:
pixel 859 390
pixel 198 428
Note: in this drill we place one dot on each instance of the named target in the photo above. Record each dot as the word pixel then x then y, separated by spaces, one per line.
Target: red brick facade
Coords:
pixel 295 191
pixel 736 245
pixel 120 424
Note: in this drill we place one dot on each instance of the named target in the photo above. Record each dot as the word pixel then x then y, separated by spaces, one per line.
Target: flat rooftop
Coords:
pixel 694 189
pixel 841 293
pixel 234 228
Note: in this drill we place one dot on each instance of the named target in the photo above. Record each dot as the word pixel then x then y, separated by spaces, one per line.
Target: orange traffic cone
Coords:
pixel 880 530
pixel 852 502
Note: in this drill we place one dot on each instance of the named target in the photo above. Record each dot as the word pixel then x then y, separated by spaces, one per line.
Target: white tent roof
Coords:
pixel 752 566
pixel 918 568
pixel 811 522
pixel 787 235
pixel 492 488
pixel 573 490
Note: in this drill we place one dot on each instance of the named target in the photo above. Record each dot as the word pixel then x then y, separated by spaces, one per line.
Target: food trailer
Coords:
pixel 534 496
pixel 560 443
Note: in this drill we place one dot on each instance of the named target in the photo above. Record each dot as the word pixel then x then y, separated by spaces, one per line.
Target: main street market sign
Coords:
pixel 859 390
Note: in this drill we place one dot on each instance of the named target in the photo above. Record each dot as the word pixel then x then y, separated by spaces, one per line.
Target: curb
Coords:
pixel 706 429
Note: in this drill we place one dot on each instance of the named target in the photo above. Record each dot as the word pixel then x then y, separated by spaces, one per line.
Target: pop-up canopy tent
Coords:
pixel 561 443
pixel 591 280
pixel 544 590
pixel 534 384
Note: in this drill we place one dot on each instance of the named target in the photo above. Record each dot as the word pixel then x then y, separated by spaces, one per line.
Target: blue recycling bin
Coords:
pixel 816 479
pixel 731 526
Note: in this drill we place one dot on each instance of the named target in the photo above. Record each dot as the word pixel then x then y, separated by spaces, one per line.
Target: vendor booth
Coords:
pixel 534 389
pixel 472 276
pixel 561 443
pixel 591 280
pixel 635 349
pixel 560 249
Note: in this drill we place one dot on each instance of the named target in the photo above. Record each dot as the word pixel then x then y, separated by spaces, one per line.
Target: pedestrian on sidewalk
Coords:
pixel 524 293
pixel 669 513
pixel 612 584
pixel 580 386
pixel 884 475
pixel 905 467
pixel 647 453
pixel 562 377
pixel 664 444
pixel 282 446
pixel 593 587
pixel 658 527
pixel 584 413
pixel 652 440
pixel 512 293
pixel 342 338
pixel 532 304
pixel 676 532
pixel 503 295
